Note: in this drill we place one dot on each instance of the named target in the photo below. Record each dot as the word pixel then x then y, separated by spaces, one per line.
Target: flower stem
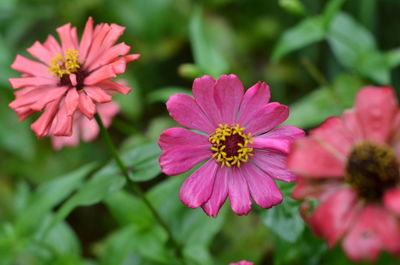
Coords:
pixel 135 186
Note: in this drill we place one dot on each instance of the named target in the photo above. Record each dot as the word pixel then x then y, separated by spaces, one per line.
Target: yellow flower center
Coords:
pixel 65 64
pixel 230 145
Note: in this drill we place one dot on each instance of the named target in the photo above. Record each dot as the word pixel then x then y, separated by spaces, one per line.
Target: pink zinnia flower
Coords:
pixel 243 151
pixel 70 77
pixel 243 262
pixel 350 164
pixel 85 128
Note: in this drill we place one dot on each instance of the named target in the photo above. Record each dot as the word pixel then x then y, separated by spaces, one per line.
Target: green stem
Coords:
pixel 315 73
pixel 135 186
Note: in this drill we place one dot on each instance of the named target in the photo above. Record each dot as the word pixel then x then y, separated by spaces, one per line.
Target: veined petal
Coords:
pixel 274 164
pixel 255 98
pixel 228 95
pixel 86 40
pixel 31 81
pixel 239 195
pixel 103 73
pixel 204 95
pixel 97 94
pixel 182 150
pixel 198 187
pixel 262 188
pixel 32 68
pixel 42 125
pixel 86 105
pixel 40 52
pixel 185 111
pixel 219 193
pixel 114 86
pixel 267 118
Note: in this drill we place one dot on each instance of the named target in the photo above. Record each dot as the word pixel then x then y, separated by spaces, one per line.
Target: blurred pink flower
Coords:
pixel 243 151
pixel 350 164
pixel 85 128
pixel 243 262
pixel 69 78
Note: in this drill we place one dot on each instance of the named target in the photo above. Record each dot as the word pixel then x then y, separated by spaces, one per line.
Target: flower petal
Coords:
pixel 391 200
pixel 71 101
pixel 239 195
pixel 198 187
pixel 315 188
pixel 228 95
pixel 374 230
pixel 31 81
pixel 262 188
pixel 114 86
pixel 267 118
pixel 32 68
pixel 42 125
pixel 40 52
pixel 182 150
pixel 255 98
pixel 97 94
pixel 86 106
pixel 185 111
pixel 274 164
pixel 334 133
pixel 219 193
pixel 204 95
pixel 333 217
pixel 376 108
pixel 103 73
pixel 309 158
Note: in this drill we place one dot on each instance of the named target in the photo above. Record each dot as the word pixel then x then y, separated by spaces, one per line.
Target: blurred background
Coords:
pixel 57 207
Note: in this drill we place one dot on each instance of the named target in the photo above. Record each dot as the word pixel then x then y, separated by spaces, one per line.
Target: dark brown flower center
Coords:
pixel 80 77
pixel 371 169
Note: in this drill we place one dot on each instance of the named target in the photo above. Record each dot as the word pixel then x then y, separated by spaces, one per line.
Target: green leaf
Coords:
pixel 164 93
pixel 330 11
pixel 206 56
pixel 293 6
pixel 308 31
pixel 393 57
pixel 48 195
pixel 91 192
pixel 285 220
pixel 355 48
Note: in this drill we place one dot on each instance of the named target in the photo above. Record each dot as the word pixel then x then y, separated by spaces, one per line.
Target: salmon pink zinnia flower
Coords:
pixel 85 128
pixel 350 164
pixel 243 151
pixel 69 78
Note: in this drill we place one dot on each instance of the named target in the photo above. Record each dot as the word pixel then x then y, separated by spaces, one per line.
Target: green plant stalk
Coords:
pixel 135 186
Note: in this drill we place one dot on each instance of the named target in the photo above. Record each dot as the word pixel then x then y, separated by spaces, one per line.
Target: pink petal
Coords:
pixel 107 112
pixel 24 113
pixel 309 158
pixel 40 52
pixel 182 150
pixel 71 101
pixel 228 95
pixel 198 187
pixel 64 32
pixel 262 188
pixel 315 188
pixel 86 105
pixel 285 132
pixel 52 45
pixel 62 124
pixel 274 164
pixel 239 195
pixel 391 200
pixel 254 99
pixel 38 98
pixel 114 86
pixel 31 81
pixel 42 125
pixel 333 217
pixel 32 68
pixel 204 95
pixel 281 145
pixel 376 108
pixel 267 118
pixel 109 55
pixel 334 133
pixel 96 47
pixel 97 94
pixel 374 230
pixel 59 142
pixel 219 193
pixel 185 111
pixel 89 128
pixel 86 39
pixel 103 73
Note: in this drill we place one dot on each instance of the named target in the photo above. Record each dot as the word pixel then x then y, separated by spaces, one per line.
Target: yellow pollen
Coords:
pixel 230 145
pixel 65 65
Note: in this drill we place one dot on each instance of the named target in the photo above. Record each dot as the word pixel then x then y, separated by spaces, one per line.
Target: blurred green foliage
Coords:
pixel 314 54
